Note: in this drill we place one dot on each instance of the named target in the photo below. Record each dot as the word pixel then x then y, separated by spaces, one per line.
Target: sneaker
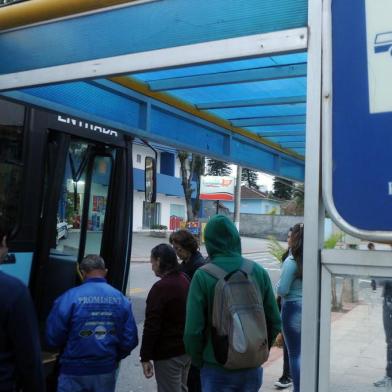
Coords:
pixel 384 382
pixel 283 382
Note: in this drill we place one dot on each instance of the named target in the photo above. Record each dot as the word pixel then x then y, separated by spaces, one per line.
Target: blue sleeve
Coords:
pixel 287 277
pixel 57 323
pixel 128 338
pixel 23 337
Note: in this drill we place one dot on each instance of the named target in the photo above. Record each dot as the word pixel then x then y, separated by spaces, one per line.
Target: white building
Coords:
pixel 170 207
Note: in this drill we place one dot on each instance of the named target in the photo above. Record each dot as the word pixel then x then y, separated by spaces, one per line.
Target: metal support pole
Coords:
pixel 237 198
pixel 314 209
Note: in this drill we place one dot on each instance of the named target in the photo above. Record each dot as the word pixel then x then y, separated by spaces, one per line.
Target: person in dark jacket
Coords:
pixel 94 326
pixel 20 351
pixel 187 250
pixel 164 323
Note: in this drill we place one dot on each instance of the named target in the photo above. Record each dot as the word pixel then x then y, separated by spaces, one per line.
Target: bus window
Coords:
pixel 87 174
pixel 70 209
pixel 11 162
pixel 100 181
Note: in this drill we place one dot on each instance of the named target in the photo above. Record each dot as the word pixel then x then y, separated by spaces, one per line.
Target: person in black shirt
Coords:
pixel 387 321
pixel 187 250
pixel 20 351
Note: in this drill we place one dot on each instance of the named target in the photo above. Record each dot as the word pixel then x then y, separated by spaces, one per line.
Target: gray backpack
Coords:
pixel 239 330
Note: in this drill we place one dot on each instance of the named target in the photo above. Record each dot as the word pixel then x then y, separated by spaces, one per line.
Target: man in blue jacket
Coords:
pixel 20 351
pixel 94 327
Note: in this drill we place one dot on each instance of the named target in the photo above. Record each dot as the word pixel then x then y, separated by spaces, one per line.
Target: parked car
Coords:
pixel 62 229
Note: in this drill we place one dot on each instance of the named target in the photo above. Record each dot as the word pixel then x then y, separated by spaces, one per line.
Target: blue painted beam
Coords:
pixel 144 27
pixel 231 77
pixel 252 102
pixel 301 142
pixel 280 134
pixel 277 120
pixel 121 108
pixel 287 139
pixel 292 144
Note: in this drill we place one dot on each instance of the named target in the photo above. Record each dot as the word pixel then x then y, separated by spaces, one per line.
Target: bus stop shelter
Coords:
pixel 235 80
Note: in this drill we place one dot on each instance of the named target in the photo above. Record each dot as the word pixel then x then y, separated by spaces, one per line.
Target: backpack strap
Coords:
pixel 247 266
pixel 214 270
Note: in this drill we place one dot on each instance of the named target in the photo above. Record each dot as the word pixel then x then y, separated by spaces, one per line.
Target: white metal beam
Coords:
pixel 227 49
pixel 314 210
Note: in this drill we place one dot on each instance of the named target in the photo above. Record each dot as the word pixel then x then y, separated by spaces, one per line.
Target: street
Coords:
pixel 141 278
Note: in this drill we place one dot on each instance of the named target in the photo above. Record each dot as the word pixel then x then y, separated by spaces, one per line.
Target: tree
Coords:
pixel 249 176
pixel 283 189
pixel 192 167
pixel 298 197
pixel 218 168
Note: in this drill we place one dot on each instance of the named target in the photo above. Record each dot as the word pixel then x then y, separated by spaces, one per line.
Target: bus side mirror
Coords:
pixel 150 179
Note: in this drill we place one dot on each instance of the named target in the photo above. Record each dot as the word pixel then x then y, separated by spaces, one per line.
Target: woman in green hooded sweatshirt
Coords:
pixel 223 245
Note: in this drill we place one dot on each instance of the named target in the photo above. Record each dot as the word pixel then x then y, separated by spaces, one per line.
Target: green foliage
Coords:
pixel 283 189
pixel 158 227
pixel 218 168
pixel 250 178
pixel 275 249
pixel 272 212
pixel 331 242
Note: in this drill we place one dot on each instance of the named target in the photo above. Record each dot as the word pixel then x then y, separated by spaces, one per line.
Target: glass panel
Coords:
pixel 361 325
pixel 11 161
pixel 71 199
pixel 151 215
pixel 102 169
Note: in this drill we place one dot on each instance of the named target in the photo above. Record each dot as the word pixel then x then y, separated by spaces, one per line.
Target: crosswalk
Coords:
pixel 265 259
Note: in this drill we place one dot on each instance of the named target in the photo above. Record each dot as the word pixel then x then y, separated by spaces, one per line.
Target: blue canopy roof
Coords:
pixel 246 106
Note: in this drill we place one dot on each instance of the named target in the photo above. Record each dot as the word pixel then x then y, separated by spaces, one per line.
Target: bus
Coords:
pixel 66 190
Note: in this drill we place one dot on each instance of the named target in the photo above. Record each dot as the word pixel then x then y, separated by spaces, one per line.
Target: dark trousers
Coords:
pixel 194 383
pixel 387 319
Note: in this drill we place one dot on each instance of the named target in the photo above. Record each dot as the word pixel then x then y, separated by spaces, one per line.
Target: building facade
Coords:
pixel 170 208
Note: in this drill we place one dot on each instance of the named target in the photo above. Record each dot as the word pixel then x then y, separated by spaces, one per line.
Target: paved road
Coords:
pixel 140 281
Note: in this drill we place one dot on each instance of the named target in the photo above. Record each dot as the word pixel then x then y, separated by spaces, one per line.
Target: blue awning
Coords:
pixel 250 111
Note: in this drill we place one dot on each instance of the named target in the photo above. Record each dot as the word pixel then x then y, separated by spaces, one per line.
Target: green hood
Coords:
pixel 222 238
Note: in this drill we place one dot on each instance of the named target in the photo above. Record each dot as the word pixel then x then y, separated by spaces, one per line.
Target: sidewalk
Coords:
pixel 358 349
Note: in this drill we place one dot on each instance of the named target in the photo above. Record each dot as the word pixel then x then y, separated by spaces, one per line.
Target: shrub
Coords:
pixel 158 227
pixel 275 249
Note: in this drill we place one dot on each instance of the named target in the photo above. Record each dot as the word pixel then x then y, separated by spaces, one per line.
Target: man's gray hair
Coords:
pixel 92 262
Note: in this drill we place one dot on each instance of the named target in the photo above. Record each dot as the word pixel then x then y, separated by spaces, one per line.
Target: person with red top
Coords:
pixel 163 331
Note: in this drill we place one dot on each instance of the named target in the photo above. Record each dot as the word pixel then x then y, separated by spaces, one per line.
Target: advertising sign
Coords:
pixel 361 114
pixel 217 188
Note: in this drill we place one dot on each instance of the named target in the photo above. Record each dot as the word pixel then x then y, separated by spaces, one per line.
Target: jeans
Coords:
pixel 291 319
pixel 387 319
pixel 286 363
pixel 91 383
pixel 220 380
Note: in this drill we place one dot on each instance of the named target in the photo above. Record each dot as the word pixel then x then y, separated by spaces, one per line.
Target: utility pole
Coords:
pixel 237 198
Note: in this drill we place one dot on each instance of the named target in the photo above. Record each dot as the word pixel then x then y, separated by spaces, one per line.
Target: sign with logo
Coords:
pixel 379 54
pixel 362 113
pixel 217 188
